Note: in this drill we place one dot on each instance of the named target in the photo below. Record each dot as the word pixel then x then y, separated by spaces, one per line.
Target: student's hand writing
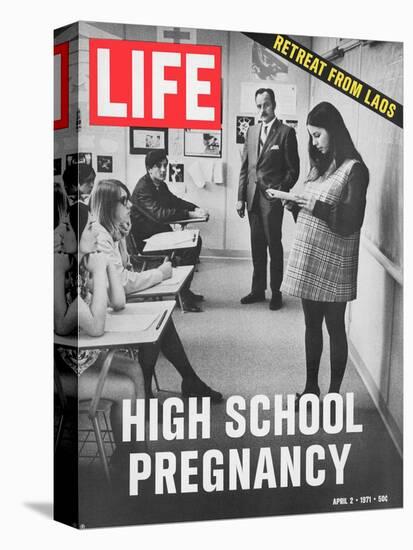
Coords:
pixel 166 270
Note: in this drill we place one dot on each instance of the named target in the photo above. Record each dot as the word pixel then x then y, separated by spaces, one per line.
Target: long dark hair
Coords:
pixel 104 200
pixel 325 115
pixel 60 204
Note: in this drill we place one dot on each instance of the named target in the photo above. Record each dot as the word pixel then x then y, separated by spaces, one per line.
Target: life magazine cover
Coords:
pixel 228 282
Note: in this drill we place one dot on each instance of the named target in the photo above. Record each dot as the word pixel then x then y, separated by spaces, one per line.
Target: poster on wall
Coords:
pixel 176 143
pixel 176 172
pixel 243 123
pixel 266 65
pixel 143 140
pixel 79 158
pixel 202 143
pixel 104 163
pixel 286 97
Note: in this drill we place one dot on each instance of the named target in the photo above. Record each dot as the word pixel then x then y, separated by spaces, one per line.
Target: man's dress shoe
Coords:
pixel 195 297
pixel 276 302
pixel 252 298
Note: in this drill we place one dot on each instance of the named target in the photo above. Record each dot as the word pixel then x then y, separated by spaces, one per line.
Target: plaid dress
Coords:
pixel 322 265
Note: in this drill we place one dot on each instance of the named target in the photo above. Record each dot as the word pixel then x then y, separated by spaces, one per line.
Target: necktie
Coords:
pixel 263 137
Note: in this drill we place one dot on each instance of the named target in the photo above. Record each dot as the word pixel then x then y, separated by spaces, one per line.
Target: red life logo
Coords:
pixel 155 84
pixel 61 86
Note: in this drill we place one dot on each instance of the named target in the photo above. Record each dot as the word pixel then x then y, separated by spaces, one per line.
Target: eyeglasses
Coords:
pixel 124 200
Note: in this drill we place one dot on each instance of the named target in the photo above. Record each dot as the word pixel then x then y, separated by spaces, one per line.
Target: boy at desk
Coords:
pixel 154 207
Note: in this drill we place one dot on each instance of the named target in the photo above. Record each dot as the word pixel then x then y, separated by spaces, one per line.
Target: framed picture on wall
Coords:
pixel 79 158
pixel 243 123
pixel 176 172
pixel 104 163
pixel 143 140
pixel 203 143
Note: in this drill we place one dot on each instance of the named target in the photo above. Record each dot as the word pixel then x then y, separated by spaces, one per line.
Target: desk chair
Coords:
pixel 150 260
pixel 142 262
pixel 95 409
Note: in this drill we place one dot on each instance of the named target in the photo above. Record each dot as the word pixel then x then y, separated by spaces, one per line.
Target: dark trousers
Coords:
pixel 265 219
pixel 189 256
pixel 172 348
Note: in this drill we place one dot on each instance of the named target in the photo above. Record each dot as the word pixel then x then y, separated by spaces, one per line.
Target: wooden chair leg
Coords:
pixel 101 448
pixel 181 304
pixel 158 388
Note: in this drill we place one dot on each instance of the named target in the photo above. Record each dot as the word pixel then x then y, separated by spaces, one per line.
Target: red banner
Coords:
pixel 61 91
pixel 153 84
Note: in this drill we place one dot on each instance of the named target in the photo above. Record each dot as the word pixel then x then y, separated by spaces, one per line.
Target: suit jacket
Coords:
pixel 154 209
pixel 277 166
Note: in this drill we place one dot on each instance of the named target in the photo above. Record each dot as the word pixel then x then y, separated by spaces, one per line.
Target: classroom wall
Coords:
pixel 211 196
pixel 237 232
pixel 225 233
pixel 375 318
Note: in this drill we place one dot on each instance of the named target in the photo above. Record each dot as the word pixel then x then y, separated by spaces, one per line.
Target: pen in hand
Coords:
pixel 161 319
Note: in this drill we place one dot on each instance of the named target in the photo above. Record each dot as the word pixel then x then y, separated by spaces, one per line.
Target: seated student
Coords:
pixel 110 208
pixel 75 306
pixel 154 207
pixel 78 180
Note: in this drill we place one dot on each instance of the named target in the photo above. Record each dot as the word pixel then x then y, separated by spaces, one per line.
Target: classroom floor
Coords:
pixel 248 350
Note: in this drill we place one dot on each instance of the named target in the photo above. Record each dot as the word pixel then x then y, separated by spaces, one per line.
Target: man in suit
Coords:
pixel 270 160
pixel 154 207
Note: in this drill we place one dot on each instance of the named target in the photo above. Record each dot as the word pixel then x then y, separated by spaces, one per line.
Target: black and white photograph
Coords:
pixel 105 163
pixel 235 351
pixel 176 172
pixel 243 123
pixel 201 143
pixel 144 140
pixel 266 65
pixel 79 158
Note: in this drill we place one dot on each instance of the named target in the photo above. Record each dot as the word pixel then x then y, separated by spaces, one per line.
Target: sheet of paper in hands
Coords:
pixel 283 195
